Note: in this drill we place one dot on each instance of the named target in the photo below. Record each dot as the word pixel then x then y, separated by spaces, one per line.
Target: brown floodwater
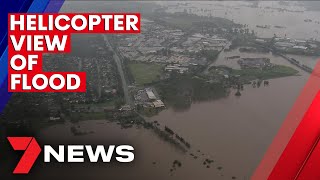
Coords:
pixel 153 156
pixel 271 13
pixel 238 130
pixel 234 131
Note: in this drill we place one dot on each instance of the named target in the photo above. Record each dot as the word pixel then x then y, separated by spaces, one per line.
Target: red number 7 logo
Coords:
pixel 32 151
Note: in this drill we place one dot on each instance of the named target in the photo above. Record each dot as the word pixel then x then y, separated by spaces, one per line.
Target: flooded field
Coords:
pixel 234 131
pixel 280 20
pixel 237 130
pixel 153 157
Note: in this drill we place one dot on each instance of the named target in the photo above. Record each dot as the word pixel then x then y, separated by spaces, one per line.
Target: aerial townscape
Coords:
pixel 192 65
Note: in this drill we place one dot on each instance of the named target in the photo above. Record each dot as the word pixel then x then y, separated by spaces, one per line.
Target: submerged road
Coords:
pixel 294 62
pixel 125 88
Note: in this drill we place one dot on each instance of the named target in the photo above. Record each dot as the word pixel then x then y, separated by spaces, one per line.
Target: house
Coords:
pixel 158 104
pixel 150 94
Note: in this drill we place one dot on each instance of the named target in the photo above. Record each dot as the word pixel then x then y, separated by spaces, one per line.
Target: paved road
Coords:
pixel 127 96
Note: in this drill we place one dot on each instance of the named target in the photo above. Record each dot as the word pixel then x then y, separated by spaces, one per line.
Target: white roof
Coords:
pixel 150 94
pixel 158 103
pixel 300 47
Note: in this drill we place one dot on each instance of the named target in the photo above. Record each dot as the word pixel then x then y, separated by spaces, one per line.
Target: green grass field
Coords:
pixel 144 73
pixel 274 72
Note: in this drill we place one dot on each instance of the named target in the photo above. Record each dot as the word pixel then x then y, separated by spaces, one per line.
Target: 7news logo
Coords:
pixel 31 150
pixel 74 153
